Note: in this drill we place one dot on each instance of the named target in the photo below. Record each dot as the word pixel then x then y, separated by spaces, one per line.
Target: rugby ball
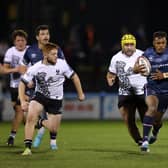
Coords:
pixel 144 61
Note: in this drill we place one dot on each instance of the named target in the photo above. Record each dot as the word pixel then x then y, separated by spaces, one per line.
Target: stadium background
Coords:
pixel 89 32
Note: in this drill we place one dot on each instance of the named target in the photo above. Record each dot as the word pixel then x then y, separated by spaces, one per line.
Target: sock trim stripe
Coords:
pixel 148 125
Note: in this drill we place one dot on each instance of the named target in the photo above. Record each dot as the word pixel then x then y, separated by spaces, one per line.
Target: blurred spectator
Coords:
pixel 141 36
pixel 3 47
pixel 4 79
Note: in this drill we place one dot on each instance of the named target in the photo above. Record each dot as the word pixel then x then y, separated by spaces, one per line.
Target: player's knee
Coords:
pixel 31 119
pixel 152 109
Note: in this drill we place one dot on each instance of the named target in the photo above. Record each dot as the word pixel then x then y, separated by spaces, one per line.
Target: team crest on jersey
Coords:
pixel 150 58
pixel 33 55
pixel 57 71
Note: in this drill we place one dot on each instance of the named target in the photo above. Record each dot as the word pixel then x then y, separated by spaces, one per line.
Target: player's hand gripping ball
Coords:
pixel 147 66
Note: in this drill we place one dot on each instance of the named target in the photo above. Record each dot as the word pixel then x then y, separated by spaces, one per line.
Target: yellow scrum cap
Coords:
pixel 128 38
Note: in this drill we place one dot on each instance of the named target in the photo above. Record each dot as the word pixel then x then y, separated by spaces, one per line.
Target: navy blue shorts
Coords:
pixel 163 99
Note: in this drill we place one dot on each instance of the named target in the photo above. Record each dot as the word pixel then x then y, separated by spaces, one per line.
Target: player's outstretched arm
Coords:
pixel 78 86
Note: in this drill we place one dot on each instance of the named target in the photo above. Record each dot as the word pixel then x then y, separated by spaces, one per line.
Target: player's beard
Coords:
pixel 51 62
pixel 129 52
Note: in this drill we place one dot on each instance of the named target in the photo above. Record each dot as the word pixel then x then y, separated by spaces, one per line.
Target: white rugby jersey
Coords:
pixel 122 65
pixel 13 57
pixel 49 78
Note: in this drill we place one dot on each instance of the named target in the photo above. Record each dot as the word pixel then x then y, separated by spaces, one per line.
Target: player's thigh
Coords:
pixel 141 106
pixel 18 109
pixel 127 106
pixel 35 108
pixel 128 113
pixel 152 103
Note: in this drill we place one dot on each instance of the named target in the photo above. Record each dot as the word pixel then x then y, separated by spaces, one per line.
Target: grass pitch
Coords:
pixel 85 144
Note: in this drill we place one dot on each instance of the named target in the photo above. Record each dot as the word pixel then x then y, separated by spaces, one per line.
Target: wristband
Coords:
pixel 165 75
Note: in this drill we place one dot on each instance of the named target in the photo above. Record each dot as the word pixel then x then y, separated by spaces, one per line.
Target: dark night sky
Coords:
pixel 108 16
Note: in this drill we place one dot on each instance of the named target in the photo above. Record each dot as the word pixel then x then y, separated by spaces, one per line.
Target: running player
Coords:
pixel 131 85
pixel 156 89
pixel 11 66
pixel 33 55
pixel 49 75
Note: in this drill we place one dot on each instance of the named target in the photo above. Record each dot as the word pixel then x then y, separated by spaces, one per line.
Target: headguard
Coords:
pixel 128 38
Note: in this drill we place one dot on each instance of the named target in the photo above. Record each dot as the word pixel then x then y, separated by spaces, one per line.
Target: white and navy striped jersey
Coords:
pixel 129 82
pixel 49 78
pixel 14 57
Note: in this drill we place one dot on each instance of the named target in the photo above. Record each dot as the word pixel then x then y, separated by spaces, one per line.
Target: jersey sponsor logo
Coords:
pixel 160 66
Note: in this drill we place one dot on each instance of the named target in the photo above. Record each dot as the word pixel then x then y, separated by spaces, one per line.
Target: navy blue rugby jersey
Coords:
pixel 33 54
pixel 160 62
